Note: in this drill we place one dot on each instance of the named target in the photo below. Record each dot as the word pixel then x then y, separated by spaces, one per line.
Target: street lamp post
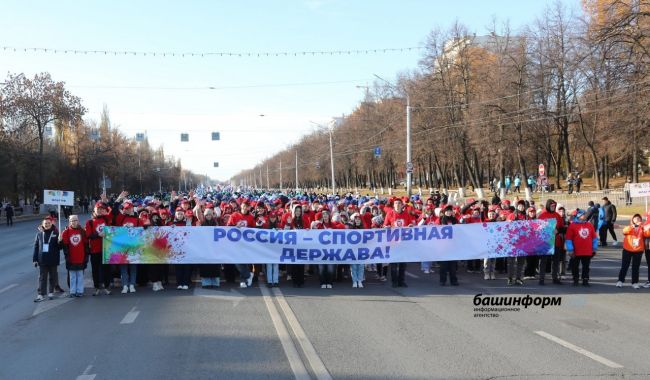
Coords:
pixel 409 167
pixel 329 129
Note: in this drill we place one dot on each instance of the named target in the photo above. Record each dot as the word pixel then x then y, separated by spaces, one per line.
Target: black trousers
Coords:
pixel 531 266
pixel 448 268
pixel 397 272
pixel 46 276
pixel 602 232
pixel 635 259
pixel 184 274
pixel 297 274
pixel 101 272
pixel 585 261
pixel 556 259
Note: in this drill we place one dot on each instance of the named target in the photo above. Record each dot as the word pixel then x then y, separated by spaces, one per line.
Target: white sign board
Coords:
pixel 638 190
pixel 58 197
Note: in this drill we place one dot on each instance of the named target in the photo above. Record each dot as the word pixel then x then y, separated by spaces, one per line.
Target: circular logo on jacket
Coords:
pixel 584 233
pixel 99 228
pixel 399 222
pixel 242 223
pixel 75 239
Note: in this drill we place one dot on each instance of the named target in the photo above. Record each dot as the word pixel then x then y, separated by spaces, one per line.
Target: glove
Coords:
pixel 35 264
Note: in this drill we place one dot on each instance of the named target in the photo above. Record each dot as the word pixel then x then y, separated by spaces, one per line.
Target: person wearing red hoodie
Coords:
pixel 76 251
pixel 243 219
pixel 559 254
pixel 398 217
pixel 128 272
pixel 646 233
pixel 183 218
pixel 428 218
pixel 95 232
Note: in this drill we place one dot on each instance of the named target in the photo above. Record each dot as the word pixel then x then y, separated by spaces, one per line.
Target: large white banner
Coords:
pixel 204 245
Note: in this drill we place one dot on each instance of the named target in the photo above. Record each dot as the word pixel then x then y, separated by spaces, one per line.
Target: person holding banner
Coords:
pixel 448 267
pixel 326 272
pixel 296 221
pixel 95 232
pixel 46 257
pixel 398 217
pixel 273 270
pixel 357 270
pixel 559 254
pixel 489 264
pixel 126 218
pixel 241 219
pixel 210 273
pixel 156 272
pixel 184 218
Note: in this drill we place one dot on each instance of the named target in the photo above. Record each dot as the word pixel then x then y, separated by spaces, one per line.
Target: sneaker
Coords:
pixel 324 286
pixel 634 286
pixel 426 271
pixel 71 295
pixel 243 285
pixel 288 277
pixel 185 287
pixel 131 289
pixel 249 282
pixel 647 285
pixel 50 296
pixel 155 287
pixel 79 295
pixel 486 276
pixel 493 276
pixel 355 284
pixel 125 289
pixel 97 292
pixel 269 285
pixel 518 281
pixel 510 282
pixel 39 298
pixel 179 287
pixel 383 279
pixel 329 286
pixel 619 284
pixel 360 284
pixel 107 292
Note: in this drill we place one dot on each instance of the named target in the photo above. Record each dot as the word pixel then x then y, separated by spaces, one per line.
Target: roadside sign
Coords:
pixel 216 136
pixel 409 167
pixel 216 164
pixel 377 152
pixel 139 137
pixel 541 170
pixel 638 190
pixel 105 183
pixel 185 137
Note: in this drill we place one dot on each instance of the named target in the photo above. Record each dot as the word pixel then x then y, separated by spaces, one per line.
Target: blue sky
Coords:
pixel 167 96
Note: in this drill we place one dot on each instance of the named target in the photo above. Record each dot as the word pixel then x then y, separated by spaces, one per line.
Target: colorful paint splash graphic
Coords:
pixel 521 238
pixel 139 246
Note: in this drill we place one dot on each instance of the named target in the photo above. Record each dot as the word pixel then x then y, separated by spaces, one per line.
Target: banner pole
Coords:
pixel 59 216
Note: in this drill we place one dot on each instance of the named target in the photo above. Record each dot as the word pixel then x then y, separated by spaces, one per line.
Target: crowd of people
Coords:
pixel 579 233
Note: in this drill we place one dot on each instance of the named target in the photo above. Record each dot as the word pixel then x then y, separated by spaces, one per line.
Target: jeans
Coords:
pixel 516 266
pixel 326 273
pixel 45 277
pixel 425 265
pixel 488 265
pixel 448 267
pixel 128 274
pixel 272 273
pixel 397 271
pixel 577 260
pixel 76 281
pixel 357 271
pixel 244 272
pixel 210 281
pixel 628 257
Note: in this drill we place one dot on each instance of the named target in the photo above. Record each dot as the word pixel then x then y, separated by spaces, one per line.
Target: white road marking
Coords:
pixel 314 360
pixel 130 317
pixel 85 375
pixel 579 350
pixel 46 305
pixel 297 366
pixel 411 275
pixel 8 287
pixel 234 296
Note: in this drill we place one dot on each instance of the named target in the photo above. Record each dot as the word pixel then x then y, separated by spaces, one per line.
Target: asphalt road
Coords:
pixel 421 332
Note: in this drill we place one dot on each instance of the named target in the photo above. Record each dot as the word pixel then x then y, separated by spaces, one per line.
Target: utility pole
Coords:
pixel 280 175
pixel 296 170
pixel 268 184
pixel 332 163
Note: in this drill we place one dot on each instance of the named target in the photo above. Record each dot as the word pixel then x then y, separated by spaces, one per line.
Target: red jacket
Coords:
pixel 238 219
pixel 124 220
pixel 93 227
pixel 582 238
pixel 395 219
pixel 74 243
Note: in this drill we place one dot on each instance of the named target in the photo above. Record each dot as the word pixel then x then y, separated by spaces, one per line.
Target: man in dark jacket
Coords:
pixel 46 256
pixel 9 214
pixel 591 215
pixel 608 224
